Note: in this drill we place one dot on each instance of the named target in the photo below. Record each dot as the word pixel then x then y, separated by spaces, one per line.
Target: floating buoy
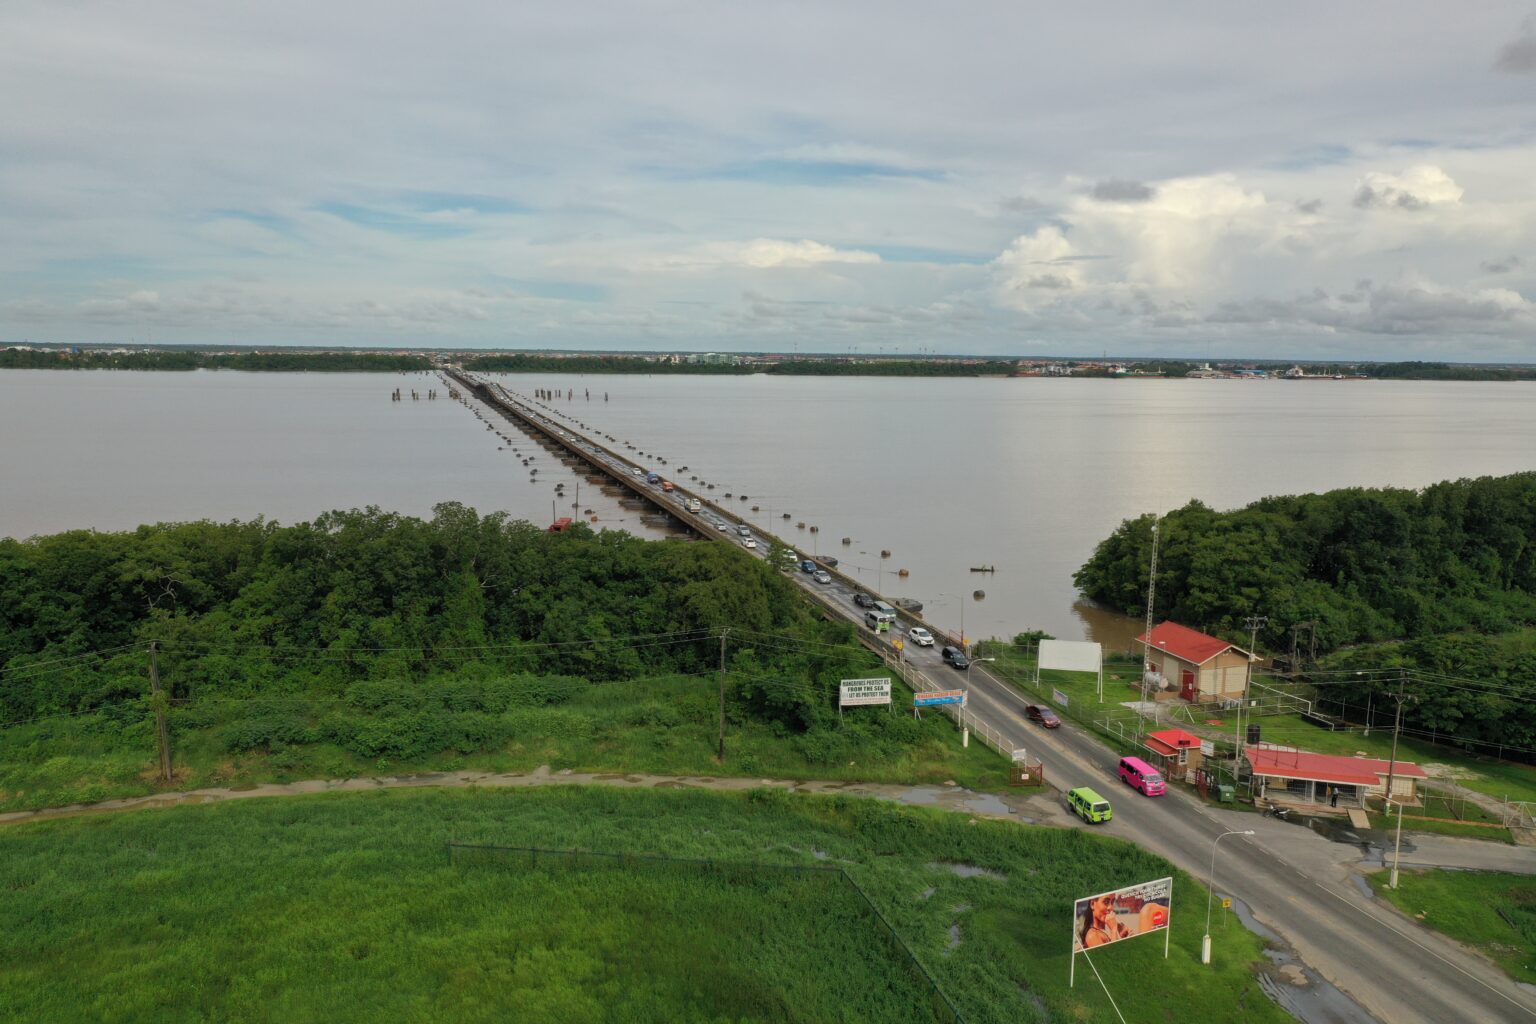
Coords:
pixel 756 509
pixel 885 554
pixel 847 541
pixel 902 572
pixel 815 529
pixel 978 594
pixel 743 497
pixel 785 516
pixel 799 526
pixel 728 494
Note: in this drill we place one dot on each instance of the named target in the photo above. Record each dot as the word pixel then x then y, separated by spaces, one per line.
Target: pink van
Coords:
pixel 1137 774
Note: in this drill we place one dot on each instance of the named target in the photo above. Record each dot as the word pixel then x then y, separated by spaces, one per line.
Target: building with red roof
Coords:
pixel 1174 752
pixel 1199 668
pixel 1283 773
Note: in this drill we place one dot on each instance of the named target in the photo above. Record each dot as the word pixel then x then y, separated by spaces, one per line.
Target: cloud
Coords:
pixel 1501 266
pixel 1118 190
pixel 759 254
pixel 1310 206
pixel 1417 188
pixel 1518 57
pixel 1412 305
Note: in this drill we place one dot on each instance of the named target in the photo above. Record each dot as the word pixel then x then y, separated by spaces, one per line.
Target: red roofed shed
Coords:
pixel 1312 778
pixel 1204 669
pixel 1175 752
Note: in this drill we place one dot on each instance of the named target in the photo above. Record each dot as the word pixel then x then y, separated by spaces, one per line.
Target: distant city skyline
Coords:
pixel 1314 182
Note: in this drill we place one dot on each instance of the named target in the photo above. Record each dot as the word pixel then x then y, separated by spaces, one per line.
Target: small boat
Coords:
pixel 983 568
pixel 909 604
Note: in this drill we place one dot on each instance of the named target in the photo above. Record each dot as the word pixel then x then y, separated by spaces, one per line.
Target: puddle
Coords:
pixel 970 871
pixel 954 936
pixel 1297 988
pixel 921 796
pixel 986 803
pixel 928 892
pixel 1363 886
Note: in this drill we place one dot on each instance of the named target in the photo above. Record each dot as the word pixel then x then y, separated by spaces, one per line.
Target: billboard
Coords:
pixel 932 697
pixel 1072 655
pixel 1121 914
pixel 854 693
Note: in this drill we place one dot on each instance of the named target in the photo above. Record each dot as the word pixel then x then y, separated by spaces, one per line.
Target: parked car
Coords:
pixel 920 636
pixel 956 657
pixel 1042 714
pixel 863 600
pixel 821 576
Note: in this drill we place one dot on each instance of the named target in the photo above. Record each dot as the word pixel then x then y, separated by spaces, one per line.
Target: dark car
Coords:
pixel 863 600
pixel 829 562
pixel 956 657
pixel 1042 714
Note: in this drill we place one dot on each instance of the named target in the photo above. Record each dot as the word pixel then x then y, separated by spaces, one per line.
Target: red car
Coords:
pixel 1042 714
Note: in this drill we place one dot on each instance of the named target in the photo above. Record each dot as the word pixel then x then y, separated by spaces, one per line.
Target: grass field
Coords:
pixel 1495 913
pixel 346 908
pixel 665 725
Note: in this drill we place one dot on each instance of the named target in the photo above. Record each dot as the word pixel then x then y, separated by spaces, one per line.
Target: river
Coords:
pixel 1022 475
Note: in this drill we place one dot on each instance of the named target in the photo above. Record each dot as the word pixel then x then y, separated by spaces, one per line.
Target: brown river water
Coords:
pixel 1023 475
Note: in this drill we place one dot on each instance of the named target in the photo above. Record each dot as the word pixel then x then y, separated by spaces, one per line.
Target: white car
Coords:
pixel 920 636
pixel 749 542
pixel 821 576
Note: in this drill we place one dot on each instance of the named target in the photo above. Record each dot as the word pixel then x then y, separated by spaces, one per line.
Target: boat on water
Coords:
pixel 910 604
pixel 983 568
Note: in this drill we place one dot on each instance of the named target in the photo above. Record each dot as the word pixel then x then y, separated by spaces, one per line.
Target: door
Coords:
pixel 1187 685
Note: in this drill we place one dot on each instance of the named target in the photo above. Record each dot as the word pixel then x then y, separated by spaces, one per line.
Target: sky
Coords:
pixel 1309 180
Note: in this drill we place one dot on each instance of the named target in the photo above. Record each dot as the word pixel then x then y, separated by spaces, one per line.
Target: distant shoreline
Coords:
pixel 733 365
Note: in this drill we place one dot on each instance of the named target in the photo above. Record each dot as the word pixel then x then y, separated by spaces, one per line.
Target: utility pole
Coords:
pixel 158 702
pixel 1254 624
pixel 1397 725
pixel 1146 658
pixel 723 632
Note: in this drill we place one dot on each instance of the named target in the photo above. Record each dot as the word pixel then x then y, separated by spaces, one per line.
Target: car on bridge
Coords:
pixel 744 531
pixel 956 657
pixel 749 542
pixel 920 636
pixel 807 566
pixel 863 600
pixel 1042 714
pixel 821 576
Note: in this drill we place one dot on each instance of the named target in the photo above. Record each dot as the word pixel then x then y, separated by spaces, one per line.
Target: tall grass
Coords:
pixel 345 907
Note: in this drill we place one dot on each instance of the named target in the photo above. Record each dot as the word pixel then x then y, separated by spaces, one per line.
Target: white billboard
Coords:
pixel 1071 655
pixel 854 693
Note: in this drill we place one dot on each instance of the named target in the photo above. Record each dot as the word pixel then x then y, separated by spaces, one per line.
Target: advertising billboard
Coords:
pixel 1072 655
pixel 854 693
pixel 932 697
pixel 1121 914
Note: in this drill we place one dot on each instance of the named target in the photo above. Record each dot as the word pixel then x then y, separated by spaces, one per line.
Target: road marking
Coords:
pixel 1404 935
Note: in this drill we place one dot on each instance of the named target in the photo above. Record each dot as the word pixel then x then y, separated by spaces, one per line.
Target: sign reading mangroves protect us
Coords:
pixel 859 692
pixel 932 697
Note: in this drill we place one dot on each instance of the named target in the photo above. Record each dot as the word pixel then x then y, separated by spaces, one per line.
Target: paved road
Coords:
pixel 1399 973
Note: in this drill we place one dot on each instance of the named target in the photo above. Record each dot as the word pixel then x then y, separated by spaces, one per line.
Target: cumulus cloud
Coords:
pixel 1119 190
pixel 1518 57
pixel 1417 188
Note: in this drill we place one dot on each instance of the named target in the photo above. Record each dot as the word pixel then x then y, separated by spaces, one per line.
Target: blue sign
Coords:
pixel 925 700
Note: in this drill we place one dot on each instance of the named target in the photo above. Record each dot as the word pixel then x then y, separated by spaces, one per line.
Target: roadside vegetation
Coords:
pixel 1445 577
pixel 347 907
pixel 1491 912
pixel 368 643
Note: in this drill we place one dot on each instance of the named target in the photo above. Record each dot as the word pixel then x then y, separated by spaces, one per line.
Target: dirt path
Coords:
pixel 1030 807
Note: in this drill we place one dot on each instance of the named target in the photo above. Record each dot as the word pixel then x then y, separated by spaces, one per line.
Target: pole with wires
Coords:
pixel 723 633
pixel 157 700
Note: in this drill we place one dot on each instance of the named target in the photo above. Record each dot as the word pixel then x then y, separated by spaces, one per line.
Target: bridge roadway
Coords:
pixel 1396 972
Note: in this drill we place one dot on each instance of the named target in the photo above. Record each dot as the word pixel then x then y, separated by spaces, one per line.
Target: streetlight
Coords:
pixel 1205 943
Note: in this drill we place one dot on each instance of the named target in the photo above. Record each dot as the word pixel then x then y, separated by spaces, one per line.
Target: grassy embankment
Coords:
pixel 1454 816
pixel 664 725
pixel 346 907
pixel 1494 913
